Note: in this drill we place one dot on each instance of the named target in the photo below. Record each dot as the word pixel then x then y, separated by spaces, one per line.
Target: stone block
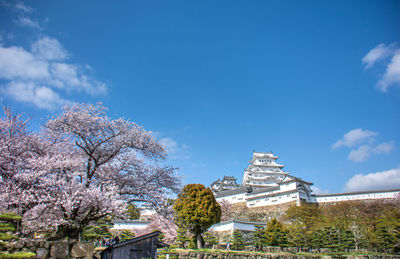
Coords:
pixel 59 250
pixel 80 250
pixel 42 253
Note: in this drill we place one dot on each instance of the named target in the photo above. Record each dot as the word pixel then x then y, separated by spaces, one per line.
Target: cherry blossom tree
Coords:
pixel 81 167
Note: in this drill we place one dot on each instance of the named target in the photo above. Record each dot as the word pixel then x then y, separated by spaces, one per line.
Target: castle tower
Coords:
pixel 263 171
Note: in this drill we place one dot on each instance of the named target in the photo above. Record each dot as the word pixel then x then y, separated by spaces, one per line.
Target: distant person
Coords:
pixel 116 239
pixel 227 245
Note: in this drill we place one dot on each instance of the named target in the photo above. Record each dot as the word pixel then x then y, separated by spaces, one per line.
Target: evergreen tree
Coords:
pixel 181 237
pixel 9 224
pixel 210 240
pixel 258 238
pixel 275 233
pixel 237 240
pixel 126 235
pixel 196 209
pixel 99 230
pixel 132 212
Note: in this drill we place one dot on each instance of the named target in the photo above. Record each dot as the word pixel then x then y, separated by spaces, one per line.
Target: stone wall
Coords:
pixel 53 249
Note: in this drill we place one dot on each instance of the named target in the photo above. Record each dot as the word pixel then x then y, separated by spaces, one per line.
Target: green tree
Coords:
pixel 99 230
pixel 126 235
pixel 303 221
pixel 258 238
pixel 9 224
pixel 181 237
pixel 237 240
pixel 132 212
pixel 210 240
pixel 275 233
pixel 197 210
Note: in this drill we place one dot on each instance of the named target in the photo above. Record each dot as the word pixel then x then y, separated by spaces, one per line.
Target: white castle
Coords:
pixel 265 184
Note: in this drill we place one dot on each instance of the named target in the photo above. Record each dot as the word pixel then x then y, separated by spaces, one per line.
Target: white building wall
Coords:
pixel 357 196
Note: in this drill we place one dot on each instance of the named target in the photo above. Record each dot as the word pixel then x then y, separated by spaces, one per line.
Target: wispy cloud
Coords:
pixel 24 8
pixel 174 149
pixel 376 54
pixel 317 190
pixel 25 21
pixel 374 181
pixel 362 142
pixel 354 137
pixel 43 74
pixel 390 56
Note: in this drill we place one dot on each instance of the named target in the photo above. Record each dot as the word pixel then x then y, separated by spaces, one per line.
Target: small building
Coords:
pixel 131 225
pixel 228 227
pixel 144 246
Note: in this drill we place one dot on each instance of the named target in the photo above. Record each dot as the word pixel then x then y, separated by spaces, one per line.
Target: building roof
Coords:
pixel 254 223
pixel 241 189
pixel 354 193
pixel 139 238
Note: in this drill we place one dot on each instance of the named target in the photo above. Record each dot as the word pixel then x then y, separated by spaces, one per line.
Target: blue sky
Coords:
pixel 316 82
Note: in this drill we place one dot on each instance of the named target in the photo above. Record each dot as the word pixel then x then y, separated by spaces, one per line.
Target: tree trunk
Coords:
pixel 199 240
pixel 66 231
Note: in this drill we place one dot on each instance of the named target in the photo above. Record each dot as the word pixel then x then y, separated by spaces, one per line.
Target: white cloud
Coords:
pixel 174 149
pixel 22 7
pixel 40 72
pixel 374 181
pixel 360 154
pixel 384 148
pixel 392 74
pixel 363 152
pixel 378 53
pixel 17 63
pixel 317 190
pixel 28 22
pixel 354 137
pixel 49 49
pixel 41 96
pixel 170 144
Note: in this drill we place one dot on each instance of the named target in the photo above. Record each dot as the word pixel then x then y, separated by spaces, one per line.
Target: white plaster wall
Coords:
pixel 222 227
pixel 280 199
pixel 362 196
pixel 129 226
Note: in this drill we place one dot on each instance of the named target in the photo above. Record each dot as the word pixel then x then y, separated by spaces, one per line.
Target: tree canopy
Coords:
pixel 196 209
pixel 82 166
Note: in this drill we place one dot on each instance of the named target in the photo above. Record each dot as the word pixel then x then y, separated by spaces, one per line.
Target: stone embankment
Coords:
pixel 54 249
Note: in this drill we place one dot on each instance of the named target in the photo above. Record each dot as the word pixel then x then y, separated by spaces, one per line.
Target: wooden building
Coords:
pixel 144 246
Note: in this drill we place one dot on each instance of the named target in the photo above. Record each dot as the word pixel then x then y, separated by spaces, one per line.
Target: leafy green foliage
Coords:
pixel 258 238
pixel 275 233
pixel 210 240
pixel 7 226
pixel 181 237
pixel 98 231
pixel 17 255
pixel 132 212
pixel 196 210
pixel 126 235
pixel 237 240
pixel 9 216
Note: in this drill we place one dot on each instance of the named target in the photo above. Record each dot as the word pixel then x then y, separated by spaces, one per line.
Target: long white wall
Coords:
pixel 355 196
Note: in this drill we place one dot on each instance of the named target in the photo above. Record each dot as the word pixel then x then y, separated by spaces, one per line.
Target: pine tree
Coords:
pixel 258 238
pixel 9 224
pixel 126 235
pixel 210 240
pixel 99 230
pixel 181 238
pixel 237 240
pixel 275 233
